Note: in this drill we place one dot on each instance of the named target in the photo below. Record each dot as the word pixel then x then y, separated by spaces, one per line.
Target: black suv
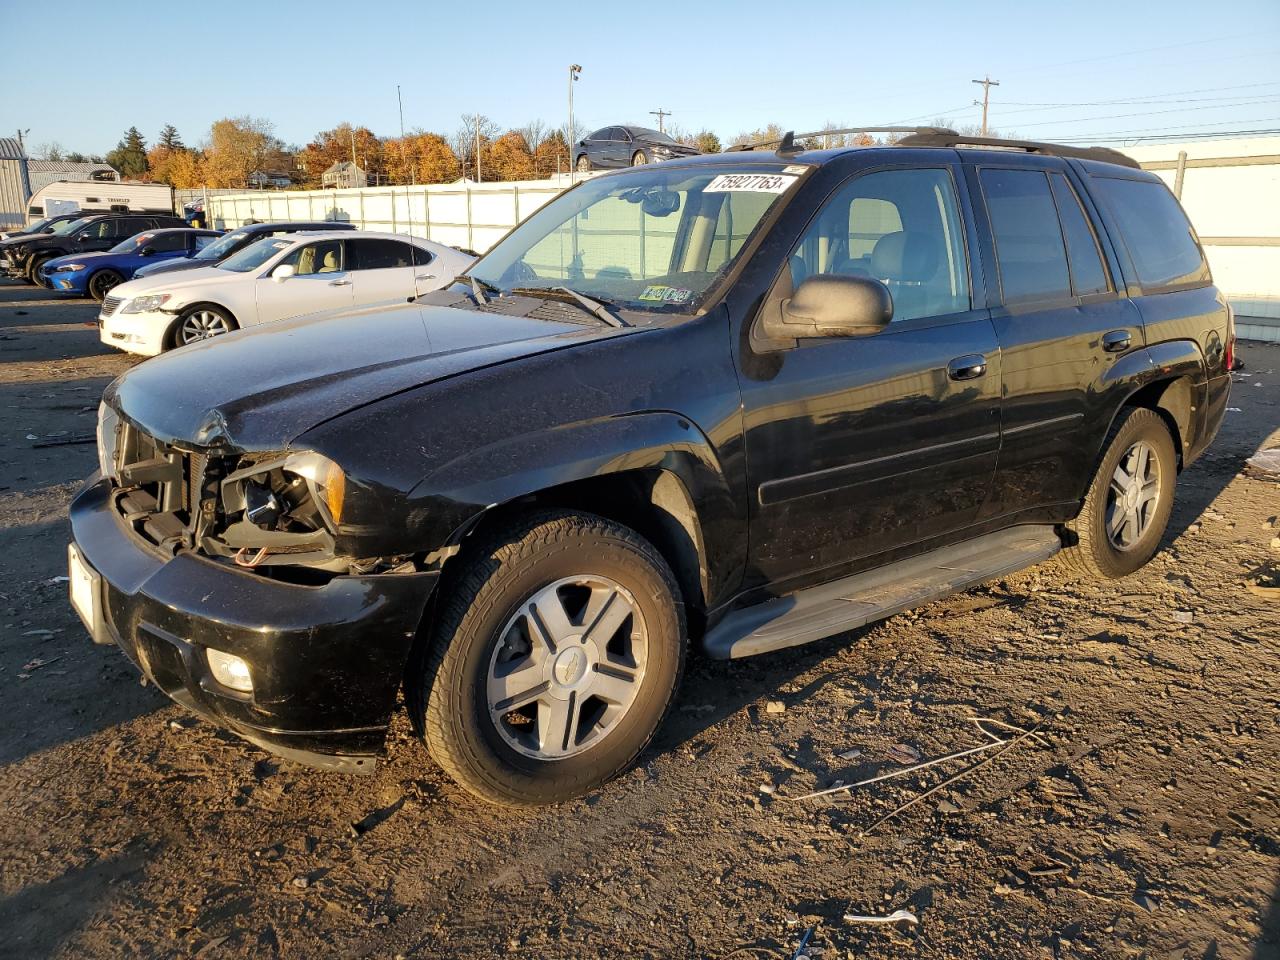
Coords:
pixel 742 401
pixel 27 254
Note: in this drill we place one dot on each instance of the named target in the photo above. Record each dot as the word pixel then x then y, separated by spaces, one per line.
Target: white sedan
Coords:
pixel 272 279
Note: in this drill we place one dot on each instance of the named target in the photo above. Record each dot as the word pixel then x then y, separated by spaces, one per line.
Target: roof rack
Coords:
pixel 949 138
pixel 787 142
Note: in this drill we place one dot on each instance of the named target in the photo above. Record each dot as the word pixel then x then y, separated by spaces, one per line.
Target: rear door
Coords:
pixel 861 445
pixel 321 282
pixel 1062 321
pixel 381 270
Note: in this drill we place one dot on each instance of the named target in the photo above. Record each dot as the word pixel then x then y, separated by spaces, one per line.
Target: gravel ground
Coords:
pixel 1142 821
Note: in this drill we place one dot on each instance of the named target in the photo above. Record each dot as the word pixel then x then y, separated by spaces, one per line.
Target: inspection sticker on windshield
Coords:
pixel 666 294
pixel 750 182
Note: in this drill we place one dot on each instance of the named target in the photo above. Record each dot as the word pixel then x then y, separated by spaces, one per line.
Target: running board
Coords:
pixel 833 608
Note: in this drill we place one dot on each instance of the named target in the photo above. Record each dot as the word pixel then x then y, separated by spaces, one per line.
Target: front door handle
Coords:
pixel 339 283
pixel 967 368
pixel 1116 341
pixel 426 276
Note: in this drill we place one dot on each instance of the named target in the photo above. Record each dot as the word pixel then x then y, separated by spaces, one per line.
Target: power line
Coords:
pixel 1128 134
pixel 1145 113
pixel 1199 135
pixel 1135 101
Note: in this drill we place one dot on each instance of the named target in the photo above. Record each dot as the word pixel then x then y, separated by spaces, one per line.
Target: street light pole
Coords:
pixel 413 178
pixel 574 71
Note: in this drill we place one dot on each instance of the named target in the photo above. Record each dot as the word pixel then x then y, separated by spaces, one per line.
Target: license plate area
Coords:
pixel 85 587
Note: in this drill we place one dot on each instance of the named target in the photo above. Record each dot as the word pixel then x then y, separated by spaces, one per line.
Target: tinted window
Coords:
pixel 1029 248
pixel 101 230
pixel 1156 231
pixel 379 254
pixel 901 227
pixel 167 242
pixel 601 134
pixel 201 241
pixel 1088 275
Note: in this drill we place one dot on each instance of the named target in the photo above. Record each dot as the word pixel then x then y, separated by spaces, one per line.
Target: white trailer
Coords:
pixel 99 196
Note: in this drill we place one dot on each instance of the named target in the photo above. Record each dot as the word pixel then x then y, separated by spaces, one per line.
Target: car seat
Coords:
pixel 330 262
pixel 907 263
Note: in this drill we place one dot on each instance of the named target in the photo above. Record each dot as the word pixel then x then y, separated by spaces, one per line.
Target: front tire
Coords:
pixel 203 321
pixel 1127 508
pixel 639 159
pixel 33 272
pixel 101 283
pixel 553 659
pixel 584 164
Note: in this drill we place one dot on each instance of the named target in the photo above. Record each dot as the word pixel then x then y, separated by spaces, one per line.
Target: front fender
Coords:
pixel 459 492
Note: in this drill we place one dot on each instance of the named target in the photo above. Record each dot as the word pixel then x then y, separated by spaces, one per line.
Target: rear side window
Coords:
pixel 1156 231
pixel 1029 247
pixel 168 242
pixel 1088 275
pixel 379 254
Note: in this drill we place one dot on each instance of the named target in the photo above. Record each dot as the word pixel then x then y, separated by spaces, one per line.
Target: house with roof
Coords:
pixel 343 175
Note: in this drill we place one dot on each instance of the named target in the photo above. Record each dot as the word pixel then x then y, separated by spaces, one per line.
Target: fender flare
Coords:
pixel 1180 366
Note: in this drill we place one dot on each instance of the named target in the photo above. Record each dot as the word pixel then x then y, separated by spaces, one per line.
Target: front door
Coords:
pixel 321 282
pixel 856 446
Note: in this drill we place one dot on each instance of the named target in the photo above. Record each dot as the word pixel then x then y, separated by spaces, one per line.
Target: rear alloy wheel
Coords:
pixel 101 283
pixel 1129 501
pixel 584 164
pixel 202 322
pixel 553 658
pixel 639 160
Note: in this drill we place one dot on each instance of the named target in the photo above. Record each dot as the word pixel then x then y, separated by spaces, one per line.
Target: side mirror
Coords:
pixel 826 305
pixel 147 252
pixel 283 272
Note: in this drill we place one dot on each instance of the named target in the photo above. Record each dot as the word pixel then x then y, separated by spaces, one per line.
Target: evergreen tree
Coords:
pixel 169 138
pixel 130 154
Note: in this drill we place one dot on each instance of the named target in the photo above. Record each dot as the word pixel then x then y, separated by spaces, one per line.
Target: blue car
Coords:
pixel 96 273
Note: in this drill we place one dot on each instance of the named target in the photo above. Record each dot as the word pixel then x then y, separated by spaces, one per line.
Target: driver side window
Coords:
pixel 314 258
pixel 901 227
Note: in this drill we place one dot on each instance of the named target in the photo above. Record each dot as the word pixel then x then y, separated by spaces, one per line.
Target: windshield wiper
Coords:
pixel 479 288
pixel 590 304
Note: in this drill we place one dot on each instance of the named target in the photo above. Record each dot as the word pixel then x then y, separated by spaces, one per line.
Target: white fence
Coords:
pixel 469 215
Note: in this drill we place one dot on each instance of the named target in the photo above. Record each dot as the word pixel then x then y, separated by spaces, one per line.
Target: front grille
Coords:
pixel 110 305
pixel 161 488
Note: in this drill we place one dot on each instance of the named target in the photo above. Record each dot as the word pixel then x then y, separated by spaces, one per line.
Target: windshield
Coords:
pixel 67 226
pixel 255 254
pixel 644 133
pixel 222 246
pixel 37 226
pixel 657 238
pixel 133 243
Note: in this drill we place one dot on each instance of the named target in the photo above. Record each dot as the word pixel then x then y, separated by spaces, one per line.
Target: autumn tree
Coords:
pixel 419 157
pixel 552 155
pixel 473 128
pixel 238 146
pixel 509 158
pixel 130 155
pixel 330 146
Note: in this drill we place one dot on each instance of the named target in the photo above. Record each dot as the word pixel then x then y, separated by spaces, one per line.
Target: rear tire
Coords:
pixel 584 164
pixel 521 722
pixel 1127 507
pixel 101 283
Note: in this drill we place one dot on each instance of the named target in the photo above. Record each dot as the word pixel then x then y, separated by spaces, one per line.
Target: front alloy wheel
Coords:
pixel 639 160
pixel 202 323
pixel 553 656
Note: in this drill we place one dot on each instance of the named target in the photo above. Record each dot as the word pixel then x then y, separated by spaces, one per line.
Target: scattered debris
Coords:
pixel 31 666
pixel 768 789
pixel 1183 616
pixel 800 951
pixel 898 916
pixel 904 753
pixel 850 754
pixel 775 706
pixel 62 441
pixel 1265 464
pixel 42 634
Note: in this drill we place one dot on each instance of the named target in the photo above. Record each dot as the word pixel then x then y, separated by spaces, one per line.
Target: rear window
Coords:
pixel 1156 232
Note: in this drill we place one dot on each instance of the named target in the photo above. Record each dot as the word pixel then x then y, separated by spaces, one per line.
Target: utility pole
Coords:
pixel 22 149
pixel 477 148
pixel 987 83
pixel 574 71
pixel 659 113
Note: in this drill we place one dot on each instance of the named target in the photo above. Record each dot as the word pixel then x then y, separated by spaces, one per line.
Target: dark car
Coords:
pixel 798 392
pixel 43 225
pixel 612 147
pixel 26 256
pixel 237 240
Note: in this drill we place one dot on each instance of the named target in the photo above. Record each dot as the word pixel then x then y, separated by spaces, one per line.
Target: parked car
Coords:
pixel 274 278
pixel 236 240
pixel 44 225
pixel 96 274
pixel 802 391
pixel 626 147
pixel 28 255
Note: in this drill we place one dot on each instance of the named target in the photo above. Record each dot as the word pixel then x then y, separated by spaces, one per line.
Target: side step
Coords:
pixel 832 608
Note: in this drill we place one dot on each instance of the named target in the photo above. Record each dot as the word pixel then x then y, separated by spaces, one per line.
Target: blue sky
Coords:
pixel 1123 67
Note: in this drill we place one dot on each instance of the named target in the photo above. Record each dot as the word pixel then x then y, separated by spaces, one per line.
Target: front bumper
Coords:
pixel 326 661
pixel 67 281
pixel 141 333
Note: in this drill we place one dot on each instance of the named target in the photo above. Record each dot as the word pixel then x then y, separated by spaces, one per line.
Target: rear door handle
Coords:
pixel 967 368
pixel 1116 341
pixel 339 283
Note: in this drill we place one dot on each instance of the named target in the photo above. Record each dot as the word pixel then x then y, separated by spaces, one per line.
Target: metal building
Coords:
pixel 15 186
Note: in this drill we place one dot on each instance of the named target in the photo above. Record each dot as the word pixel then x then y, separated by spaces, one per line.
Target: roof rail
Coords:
pixel 949 138
pixel 787 142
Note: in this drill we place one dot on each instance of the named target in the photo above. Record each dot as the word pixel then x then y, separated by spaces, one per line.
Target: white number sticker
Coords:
pixel 750 182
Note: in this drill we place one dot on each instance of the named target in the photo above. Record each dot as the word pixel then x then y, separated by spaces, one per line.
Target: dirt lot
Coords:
pixel 1147 824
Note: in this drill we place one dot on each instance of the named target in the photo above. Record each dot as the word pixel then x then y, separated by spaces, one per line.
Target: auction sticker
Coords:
pixel 750 183
pixel 666 294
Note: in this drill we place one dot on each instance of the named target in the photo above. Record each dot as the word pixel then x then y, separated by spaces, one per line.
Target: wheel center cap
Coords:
pixel 570 665
pixel 1131 496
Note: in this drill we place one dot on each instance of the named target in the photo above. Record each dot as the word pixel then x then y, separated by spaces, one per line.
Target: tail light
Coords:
pixel 1229 355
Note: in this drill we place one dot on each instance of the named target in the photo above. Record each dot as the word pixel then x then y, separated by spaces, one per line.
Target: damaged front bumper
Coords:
pixel 326 661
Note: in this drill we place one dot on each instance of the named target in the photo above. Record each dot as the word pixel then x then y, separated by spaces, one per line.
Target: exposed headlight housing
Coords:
pixel 146 304
pixel 296 493
pixel 69 268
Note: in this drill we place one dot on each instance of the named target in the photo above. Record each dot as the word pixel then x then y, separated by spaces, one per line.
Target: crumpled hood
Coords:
pixel 260 388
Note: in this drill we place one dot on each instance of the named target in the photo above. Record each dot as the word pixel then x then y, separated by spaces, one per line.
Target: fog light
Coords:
pixel 230 671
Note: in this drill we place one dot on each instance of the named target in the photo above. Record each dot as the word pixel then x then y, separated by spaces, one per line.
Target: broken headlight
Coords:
pixel 297 493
